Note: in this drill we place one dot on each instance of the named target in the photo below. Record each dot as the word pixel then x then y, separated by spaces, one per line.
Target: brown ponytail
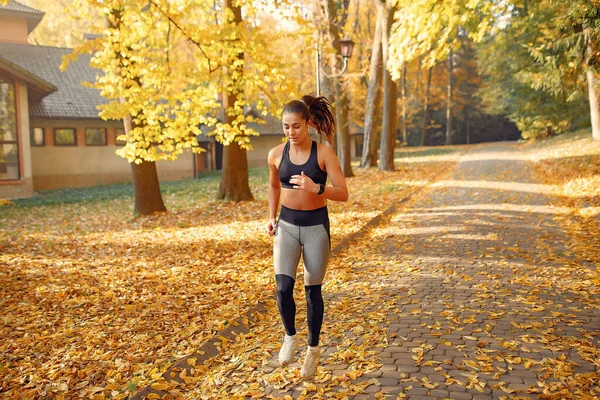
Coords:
pixel 317 111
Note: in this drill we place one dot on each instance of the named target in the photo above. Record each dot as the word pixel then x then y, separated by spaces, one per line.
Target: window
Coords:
pixel 37 136
pixel 65 137
pixel 119 132
pixel 9 144
pixel 95 136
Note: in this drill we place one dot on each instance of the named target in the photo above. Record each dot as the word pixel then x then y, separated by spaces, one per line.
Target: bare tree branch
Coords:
pixel 187 35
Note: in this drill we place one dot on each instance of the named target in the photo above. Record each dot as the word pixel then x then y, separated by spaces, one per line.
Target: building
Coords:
pixel 50 133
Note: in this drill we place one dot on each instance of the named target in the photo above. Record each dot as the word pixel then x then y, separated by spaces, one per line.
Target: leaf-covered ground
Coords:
pixel 96 303
pixel 485 284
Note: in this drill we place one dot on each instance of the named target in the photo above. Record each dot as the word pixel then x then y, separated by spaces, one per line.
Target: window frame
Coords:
pixel 93 144
pixel 31 136
pixel 17 141
pixel 66 145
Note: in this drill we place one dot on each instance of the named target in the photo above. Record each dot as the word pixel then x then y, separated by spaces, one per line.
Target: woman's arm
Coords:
pixel 274 193
pixel 338 191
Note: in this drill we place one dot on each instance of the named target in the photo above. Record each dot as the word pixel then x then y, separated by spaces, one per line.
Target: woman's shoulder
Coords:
pixel 323 149
pixel 276 151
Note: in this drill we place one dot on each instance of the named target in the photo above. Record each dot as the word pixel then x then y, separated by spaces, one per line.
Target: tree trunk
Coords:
pixel 418 83
pixel 341 102
pixel 468 122
pixel 234 179
pixel 593 94
pixel 403 86
pixel 234 176
pixel 343 130
pixel 449 103
pixel 371 128
pixel 426 107
pixel 146 187
pixel 390 94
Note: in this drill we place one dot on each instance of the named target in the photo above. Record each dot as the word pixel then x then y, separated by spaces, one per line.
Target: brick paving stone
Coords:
pixel 511 379
pixel 407 368
pixel 456 388
pixel 393 374
pixel 461 396
pixel 395 349
pixel 404 361
pixel 439 393
pixel 374 374
pixel 388 381
pixel 363 397
pixel 416 391
pixel 373 389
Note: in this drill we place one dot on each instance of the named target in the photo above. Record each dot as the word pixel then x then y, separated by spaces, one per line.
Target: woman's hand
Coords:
pixel 272 227
pixel 303 182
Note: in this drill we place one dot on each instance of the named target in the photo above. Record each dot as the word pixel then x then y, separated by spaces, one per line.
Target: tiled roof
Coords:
pixel 71 100
pixel 14 6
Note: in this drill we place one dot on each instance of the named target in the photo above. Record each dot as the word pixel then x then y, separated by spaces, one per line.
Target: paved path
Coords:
pixel 470 290
pixel 489 299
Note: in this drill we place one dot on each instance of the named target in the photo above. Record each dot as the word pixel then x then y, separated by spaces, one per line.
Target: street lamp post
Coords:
pixel 346 47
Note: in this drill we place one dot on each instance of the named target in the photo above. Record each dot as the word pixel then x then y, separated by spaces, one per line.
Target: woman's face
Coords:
pixel 295 127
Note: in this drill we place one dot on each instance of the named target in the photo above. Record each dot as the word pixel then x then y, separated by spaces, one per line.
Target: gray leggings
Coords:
pixel 303 233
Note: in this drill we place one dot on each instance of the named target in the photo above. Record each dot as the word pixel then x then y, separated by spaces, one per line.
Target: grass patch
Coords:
pixel 434 151
pixel 205 185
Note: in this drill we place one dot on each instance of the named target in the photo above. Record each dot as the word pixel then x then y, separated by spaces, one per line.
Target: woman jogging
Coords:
pixel 298 172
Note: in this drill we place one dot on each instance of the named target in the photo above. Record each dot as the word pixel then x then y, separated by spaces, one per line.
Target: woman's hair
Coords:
pixel 317 111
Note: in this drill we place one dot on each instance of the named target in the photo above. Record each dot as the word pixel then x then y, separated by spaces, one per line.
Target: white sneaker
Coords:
pixel 286 354
pixel 311 362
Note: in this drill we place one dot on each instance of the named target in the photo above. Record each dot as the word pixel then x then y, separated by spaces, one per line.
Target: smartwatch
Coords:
pixel 321 188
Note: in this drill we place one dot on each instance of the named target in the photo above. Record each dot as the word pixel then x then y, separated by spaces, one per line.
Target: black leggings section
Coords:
pixel 314 310
pixel 287 307
pixel 285 302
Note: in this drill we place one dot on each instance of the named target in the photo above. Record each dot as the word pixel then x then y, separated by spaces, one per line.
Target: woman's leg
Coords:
pixel 314 310
pixel 315 240
pixel 316 256
pixel 286 256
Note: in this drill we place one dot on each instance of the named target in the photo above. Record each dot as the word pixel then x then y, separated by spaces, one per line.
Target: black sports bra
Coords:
pixel 311 167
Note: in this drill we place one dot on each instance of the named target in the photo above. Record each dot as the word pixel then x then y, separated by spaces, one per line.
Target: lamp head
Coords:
pixel 346 47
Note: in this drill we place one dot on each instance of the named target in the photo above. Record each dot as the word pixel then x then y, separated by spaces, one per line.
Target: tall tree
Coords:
pixel 426 107
pixel 341 99
pixel 404 97
pixel 234 179
pixel 373 103
pixel 449 100
pixel 390 94
pixel 593 84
